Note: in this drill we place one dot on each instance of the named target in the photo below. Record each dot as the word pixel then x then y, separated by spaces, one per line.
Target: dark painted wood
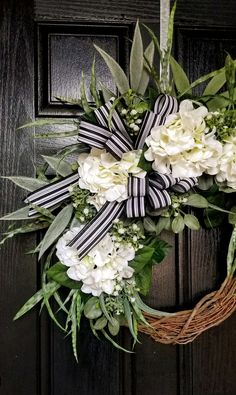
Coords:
pixel 18 340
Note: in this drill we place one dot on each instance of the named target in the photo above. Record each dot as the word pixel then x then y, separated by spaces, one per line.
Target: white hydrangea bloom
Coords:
pixel 181 146
pixel 100 270
pixel 103 175
pixel 228 163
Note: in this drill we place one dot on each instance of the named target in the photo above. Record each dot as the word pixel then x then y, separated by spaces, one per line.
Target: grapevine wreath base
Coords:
pixel 185 326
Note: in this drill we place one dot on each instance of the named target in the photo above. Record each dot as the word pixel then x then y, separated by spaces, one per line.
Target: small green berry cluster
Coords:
pixel 176 202
pixel 223 123
pixel 125 289
pixel 125 232
pixel 84 211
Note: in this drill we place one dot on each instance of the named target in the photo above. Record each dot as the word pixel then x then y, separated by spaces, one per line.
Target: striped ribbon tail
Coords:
pixel 95 230
pixel 137 190
pixel 52 194
pixel 164 106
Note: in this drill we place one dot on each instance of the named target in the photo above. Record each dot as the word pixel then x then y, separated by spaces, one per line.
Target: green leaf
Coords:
pixel 144 279
pixel 196 200
pixel 149 225
pixel 142 258
pixel 191 222
pixel 21 214
pixel 149 310
pixel 92 308
pixel 163 223
pixel 114 327
pixel 177 224
pixel 128 316
pixel 31 227
pixel 27 183
pixel 50 288
pixel 106 93
pixel 148 61
pixel 101 323
pixel 84 101
pixel 52 135
pixel 212 218
pixel 230 76
pixel 161 249
pixel 46 122
pixel 118 74
pixel 215 84
pixel 167 52
pixel 205 182
pixel 56 228
pixel 105 334
pixel 180 78
pixel 136 59
pixel 59 165
pixel 143 163
pixel 58 273
pixel 93 86
pixel 232 217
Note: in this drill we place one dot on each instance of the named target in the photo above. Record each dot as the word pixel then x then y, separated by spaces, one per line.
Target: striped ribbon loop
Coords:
pixel 137 190
pixel 52 194
pixel 184 184
pixel 164 106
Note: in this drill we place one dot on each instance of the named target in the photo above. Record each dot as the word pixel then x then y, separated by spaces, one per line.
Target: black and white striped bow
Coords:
pixel 153 190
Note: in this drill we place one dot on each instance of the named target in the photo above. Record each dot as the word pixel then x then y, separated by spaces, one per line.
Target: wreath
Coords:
pixel 153 157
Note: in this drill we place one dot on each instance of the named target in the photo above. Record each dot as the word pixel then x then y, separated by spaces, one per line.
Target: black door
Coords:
pixel 45 44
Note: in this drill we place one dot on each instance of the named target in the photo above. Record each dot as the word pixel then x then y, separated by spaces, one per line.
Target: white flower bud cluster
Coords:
pixel 132 119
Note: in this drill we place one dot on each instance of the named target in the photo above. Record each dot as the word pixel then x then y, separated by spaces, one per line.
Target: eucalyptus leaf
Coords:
pixel 118 74
pixel 149 225
pixel 92 308
pixel 198 201
pixel 148 61
pixel 114 327
pixel 59 165
pixel 163 223
pixel 27 183
pixel 101 323
pixel 191 222
pixel 136 59
pixel 56 228
pixel 178 224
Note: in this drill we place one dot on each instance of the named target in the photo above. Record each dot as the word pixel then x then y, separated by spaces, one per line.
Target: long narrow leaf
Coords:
pixel 18 215
pixel 56 228
pixel 114 343
pixel 59 165
pixel 179 76
pixel 136 59
pixel 148 56
pixel 36 298
pixel 27 183
pixel 117 73
pixel 215 84
pixel 45 122
pixel 93 86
